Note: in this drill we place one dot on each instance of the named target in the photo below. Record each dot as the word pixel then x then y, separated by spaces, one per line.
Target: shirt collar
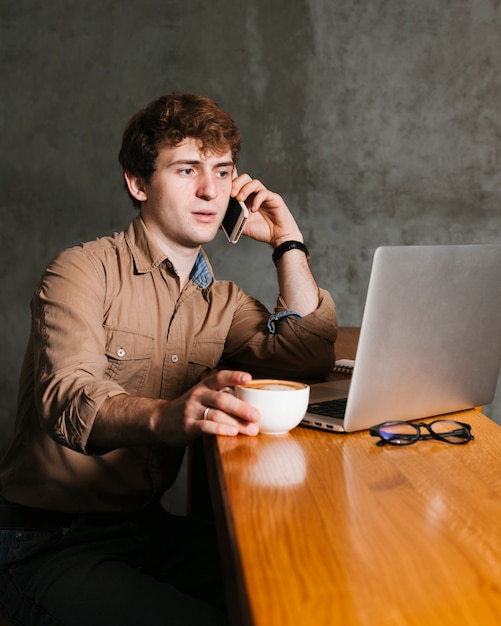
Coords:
pixel 201 274
pixel 148 255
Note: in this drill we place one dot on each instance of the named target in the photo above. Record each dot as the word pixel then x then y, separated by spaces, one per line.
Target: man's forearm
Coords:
pixel 125 420
pixel 297 285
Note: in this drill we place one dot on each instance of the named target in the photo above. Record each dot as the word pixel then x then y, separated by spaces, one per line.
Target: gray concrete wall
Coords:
pixel 378 121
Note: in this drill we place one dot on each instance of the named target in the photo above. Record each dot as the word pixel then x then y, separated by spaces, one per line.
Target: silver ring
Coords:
pixel 206 412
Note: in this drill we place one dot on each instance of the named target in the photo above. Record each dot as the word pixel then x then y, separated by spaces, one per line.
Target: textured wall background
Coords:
pixel 378 121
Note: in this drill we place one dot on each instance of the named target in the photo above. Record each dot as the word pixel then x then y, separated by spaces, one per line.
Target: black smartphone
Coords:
pixel 234 220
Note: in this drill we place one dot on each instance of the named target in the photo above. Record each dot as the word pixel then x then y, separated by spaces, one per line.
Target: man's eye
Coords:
pixel 186 171
pixel 223 173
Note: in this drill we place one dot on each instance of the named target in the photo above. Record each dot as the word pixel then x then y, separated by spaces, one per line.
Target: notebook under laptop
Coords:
pixel 430 339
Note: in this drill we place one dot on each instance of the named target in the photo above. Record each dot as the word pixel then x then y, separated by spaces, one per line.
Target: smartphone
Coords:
pixel 234 220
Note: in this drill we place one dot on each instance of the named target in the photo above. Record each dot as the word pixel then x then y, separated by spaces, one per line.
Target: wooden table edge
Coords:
pixel 239 611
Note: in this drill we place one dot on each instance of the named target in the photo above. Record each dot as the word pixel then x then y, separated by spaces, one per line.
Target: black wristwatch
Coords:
pixel 285 247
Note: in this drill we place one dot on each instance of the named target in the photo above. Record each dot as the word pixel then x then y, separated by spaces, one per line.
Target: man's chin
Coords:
pixel 205 236
pixel 201 240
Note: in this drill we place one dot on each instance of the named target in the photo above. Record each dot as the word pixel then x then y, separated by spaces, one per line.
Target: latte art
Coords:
pixel 274 385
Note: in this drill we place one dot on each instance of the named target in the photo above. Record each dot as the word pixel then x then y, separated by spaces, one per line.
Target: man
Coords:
pixel 133 342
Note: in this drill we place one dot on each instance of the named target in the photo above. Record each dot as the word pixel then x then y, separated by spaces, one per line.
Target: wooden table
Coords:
pixel 347 342
pixel 323 529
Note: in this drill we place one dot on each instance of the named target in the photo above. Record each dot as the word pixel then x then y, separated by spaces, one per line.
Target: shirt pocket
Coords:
pixel 204 356
pixel 130 356
pixel 17 545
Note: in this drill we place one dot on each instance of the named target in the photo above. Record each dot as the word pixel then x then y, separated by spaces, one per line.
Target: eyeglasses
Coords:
pixel 404 433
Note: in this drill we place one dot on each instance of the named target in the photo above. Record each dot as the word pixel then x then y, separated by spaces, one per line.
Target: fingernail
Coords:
pixel 253 429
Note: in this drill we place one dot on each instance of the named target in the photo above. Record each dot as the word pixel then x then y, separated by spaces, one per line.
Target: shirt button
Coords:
pixel 174 358
pixel 121 352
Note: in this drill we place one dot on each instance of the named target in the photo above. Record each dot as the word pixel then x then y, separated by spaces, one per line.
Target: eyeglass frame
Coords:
pixel 375 431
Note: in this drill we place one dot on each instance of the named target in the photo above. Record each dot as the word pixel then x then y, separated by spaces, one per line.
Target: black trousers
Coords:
pixel 128 573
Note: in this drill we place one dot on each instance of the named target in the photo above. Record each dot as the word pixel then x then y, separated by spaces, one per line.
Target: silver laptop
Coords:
pixel 430 339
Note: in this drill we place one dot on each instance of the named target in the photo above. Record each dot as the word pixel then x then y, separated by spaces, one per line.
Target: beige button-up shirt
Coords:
pixel 108 317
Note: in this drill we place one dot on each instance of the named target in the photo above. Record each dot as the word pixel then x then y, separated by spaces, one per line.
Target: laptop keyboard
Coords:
pixel 329 408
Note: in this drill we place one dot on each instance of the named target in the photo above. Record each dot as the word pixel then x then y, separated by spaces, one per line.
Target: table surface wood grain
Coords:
pixel 324 529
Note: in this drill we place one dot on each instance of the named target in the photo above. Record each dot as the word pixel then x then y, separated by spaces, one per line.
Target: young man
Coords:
pixel 132 342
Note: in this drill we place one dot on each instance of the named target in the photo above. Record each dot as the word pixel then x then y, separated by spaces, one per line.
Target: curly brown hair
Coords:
pixel 169 120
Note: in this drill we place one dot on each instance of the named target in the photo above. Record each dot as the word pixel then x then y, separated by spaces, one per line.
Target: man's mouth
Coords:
pixel 205 216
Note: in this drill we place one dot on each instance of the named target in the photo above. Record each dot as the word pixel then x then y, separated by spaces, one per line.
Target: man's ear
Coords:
pixel 136 187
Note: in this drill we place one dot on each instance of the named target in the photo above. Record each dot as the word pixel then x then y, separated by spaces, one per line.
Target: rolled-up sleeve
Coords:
pixel 295 347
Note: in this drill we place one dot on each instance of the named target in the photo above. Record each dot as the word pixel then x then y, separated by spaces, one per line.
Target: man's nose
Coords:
pixel 206 186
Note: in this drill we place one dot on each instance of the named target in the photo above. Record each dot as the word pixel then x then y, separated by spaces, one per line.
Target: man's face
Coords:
pixel 188 194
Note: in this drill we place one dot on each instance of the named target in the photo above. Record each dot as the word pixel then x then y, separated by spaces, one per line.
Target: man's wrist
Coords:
pixel 286 246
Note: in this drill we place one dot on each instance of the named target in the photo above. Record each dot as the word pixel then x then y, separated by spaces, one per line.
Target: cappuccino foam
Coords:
pixel 274 385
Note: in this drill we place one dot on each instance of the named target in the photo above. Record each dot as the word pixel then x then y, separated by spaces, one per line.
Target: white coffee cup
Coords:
pixel 282 403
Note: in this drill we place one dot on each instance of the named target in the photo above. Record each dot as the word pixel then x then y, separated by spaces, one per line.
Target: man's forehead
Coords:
pixel 192 150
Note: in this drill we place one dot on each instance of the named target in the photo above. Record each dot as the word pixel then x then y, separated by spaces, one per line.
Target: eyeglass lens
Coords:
pixel 450 430
pixel 399 432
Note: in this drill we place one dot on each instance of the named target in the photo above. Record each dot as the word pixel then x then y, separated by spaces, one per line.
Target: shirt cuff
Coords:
pixel 277 316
